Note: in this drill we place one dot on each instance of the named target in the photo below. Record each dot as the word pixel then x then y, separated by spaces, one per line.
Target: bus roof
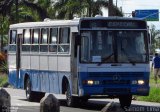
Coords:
pixel 73 22
pixel 113 18
pixel 50 23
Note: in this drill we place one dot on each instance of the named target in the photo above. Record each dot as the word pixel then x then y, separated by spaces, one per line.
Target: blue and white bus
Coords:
pixel 82 58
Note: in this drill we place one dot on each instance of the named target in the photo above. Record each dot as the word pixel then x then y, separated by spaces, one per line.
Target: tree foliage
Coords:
pixel 68 8
pixel 154 38
pixel 38 10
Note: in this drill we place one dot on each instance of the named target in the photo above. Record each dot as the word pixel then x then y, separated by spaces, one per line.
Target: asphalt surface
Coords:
pixel 20 104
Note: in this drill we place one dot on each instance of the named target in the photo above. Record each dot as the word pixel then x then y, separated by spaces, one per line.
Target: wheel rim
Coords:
pixel 68 96
pixel 28 90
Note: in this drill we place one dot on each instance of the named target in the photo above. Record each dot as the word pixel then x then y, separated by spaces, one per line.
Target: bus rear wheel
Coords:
pixel 31 95
pixel 125 101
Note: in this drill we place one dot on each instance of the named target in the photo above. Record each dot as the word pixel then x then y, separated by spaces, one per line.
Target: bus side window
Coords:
pixel 27 35
pixel 53 40
pixel 44 34
pixel 44 40
pixel 64 40
pixel 26 40
pixel 35 40
pixel 13 35
pixel 36 36
pixel 12 41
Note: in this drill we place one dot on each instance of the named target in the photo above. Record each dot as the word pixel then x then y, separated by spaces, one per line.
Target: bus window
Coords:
pixel 85 54
pixel 53 40
pixel 35 40
pixel 26 40
pixel 13 35
pixel 131 46
pixel 27 35
pixel 53 35
pixel 44 40
pixel 35 36
pixel 64 39
pixel 44 33
pixel 64 35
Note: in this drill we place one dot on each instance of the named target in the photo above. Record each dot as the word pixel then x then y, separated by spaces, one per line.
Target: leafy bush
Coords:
pixel 3 79
pixel 3 62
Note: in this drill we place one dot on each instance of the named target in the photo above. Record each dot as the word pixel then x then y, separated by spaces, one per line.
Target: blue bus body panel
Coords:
pixel 44 81
pixel 12 78
pixel 109 86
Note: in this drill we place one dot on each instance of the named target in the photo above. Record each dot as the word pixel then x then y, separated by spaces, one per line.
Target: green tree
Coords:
pixel 68 8
pixel 4 25
pixel 95 7
pixel 154 41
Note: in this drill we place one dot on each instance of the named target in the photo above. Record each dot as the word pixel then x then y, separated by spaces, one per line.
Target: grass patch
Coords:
pixel 3 79
pixel 154 95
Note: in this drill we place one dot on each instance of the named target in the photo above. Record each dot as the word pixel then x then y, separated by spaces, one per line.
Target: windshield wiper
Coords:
pixel 105 59
pixel 132 62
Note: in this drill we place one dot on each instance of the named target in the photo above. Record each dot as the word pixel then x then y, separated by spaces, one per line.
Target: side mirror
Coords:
pixel 78 40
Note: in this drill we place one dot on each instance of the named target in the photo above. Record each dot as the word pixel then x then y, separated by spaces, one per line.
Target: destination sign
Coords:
pixel 119 24
pixel 122 24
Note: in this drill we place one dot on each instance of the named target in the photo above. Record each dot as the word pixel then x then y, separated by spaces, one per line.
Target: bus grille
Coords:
pixel 117 90
pixel 111 74
pixel 112 82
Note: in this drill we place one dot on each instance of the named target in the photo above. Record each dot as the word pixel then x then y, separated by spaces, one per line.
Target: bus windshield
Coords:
pixel 123 46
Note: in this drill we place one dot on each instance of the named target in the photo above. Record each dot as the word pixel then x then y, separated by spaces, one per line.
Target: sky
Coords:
pixel 131 5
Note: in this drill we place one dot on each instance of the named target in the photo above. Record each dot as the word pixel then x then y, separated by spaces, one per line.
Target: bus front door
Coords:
pixel 18 58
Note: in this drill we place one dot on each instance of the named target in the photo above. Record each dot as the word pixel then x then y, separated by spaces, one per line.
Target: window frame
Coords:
pixel 12 45
pixel 33 44
pixel 53 44
pixel 11 38
pixel 60 49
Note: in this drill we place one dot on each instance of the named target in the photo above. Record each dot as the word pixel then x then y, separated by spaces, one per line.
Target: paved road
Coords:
pixel 19 104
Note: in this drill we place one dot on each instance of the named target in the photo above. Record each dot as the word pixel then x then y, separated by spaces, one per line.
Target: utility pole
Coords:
pixel 110 10
pixel 17 15
pixel 116 3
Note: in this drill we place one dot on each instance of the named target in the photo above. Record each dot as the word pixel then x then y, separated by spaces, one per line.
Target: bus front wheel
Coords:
pixel 125 101
pixel 71 100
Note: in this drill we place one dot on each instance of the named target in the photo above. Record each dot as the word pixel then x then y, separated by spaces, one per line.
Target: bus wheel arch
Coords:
pixel 65 84
pixel 30 94
pixel 25 79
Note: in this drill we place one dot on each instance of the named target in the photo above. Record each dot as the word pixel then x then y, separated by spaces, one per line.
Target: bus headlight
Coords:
pixel 91 82
pixel 141 82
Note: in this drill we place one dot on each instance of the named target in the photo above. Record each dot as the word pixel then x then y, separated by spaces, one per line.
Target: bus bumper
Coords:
pixel 142 91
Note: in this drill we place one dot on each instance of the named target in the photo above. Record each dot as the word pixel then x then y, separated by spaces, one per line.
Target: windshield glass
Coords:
pixel 113 46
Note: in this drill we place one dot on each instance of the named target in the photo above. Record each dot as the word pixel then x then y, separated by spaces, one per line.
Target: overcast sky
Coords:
pixel 131 5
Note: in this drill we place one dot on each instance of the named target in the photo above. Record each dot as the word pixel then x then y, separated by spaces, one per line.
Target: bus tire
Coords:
pixel 39 96
pixel 125 101
pixel 84 99
pixel 71 100
pixel 29 93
